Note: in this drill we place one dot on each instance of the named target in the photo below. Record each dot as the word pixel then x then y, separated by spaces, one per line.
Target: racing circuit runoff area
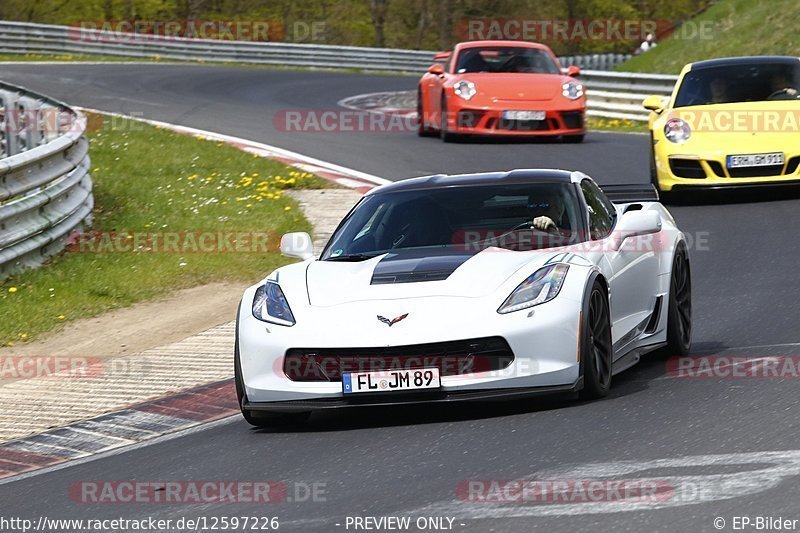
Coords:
pixel 671 449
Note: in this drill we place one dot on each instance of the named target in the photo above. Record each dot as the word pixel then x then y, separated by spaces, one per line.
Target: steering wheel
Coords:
pixel 786 91
pixel 526 225
pixel 529 225
pixel 401 236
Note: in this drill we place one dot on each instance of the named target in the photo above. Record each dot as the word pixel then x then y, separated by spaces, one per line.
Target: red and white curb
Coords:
pixel 347 177
pixel 137 423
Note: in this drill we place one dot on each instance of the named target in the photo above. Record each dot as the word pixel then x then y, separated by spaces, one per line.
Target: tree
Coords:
pixel 378 10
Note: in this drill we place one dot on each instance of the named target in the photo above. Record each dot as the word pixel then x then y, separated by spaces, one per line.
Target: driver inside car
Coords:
pixel 781 88
pixel 549 210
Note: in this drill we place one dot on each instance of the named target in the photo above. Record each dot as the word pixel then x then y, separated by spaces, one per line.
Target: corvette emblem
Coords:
pixel 393 321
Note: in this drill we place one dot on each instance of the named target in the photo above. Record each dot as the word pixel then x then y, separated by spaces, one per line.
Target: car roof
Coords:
pixel 441 181
pixel 745 60
pixel 525 44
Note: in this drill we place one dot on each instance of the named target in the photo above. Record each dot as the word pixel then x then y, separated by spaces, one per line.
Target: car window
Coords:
pixel 505 59
pixel 448 63
pixel 467 218
pixel 754 82
pixel 601 211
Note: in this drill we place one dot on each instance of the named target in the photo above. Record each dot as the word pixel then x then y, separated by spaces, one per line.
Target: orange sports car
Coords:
pixel 501 88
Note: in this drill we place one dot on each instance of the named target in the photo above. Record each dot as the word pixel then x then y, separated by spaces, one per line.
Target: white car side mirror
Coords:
pixel 297 244
pixel 635 223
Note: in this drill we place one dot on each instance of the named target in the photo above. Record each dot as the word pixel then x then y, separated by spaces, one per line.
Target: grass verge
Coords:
pixel 25 58
pixel 616 124
pixel 34 58
pixel 727 28
pixel 148 180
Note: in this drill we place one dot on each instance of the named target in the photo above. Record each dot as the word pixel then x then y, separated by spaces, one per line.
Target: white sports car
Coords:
pixel 468 287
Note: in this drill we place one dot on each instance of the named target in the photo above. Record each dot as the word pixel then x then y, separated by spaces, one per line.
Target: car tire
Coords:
pixel 573 138
pixel 596 348
pixel 422 127
pixel 679 310
pixel 444 133
pixel 257 419
pixel 663 196
pixel 653 171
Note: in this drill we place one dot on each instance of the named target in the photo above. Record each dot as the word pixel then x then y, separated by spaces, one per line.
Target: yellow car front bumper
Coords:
pixel 676 168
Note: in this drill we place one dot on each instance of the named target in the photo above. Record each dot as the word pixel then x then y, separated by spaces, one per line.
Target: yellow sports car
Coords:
pixel 729 122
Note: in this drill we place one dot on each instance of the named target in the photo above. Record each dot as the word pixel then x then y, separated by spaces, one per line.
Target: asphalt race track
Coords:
pixel 712 434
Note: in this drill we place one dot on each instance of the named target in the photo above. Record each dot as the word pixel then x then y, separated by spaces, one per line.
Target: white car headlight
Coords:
pixel 539 288
pixel 677 131
pixel 572 90
pixel 465 89
pixel 270 305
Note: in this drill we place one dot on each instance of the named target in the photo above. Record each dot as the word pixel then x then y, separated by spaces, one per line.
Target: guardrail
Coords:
pixel 19 37
pixel 45 186
pixel 595 61
pixel 620 94
pixel 610 94
pixel 22 37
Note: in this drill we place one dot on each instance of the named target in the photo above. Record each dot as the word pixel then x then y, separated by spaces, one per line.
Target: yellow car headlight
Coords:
pixel 677 131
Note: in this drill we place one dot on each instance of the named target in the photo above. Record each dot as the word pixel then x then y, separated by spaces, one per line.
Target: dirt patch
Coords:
pixel 142 326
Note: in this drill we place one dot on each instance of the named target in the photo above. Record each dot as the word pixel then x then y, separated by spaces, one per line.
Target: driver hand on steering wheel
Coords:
pixel 782 88
pixel 550 209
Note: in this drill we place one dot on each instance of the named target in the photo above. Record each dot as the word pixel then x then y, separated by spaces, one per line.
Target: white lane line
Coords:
pixel 757 346
pixel 258 148
pixel 759 472
pixel 354 103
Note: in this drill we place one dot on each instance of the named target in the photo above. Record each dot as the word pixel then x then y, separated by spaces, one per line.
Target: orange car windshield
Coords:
pixel 505 59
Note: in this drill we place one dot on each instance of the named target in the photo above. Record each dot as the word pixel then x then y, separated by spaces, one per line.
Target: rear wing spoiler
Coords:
pixel 623 194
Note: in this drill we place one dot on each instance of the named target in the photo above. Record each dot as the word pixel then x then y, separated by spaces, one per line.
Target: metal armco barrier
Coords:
pixel 610 94
pixel 595 61
pixel 21 37
pixel 620 94
pixel 45 187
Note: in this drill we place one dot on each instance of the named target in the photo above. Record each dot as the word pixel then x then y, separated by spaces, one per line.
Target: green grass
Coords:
pixel 149 179
pixel 736 28
pixel 69 57
pixel 616 124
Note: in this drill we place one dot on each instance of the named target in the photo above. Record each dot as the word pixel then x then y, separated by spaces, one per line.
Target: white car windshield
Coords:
pixel 468 218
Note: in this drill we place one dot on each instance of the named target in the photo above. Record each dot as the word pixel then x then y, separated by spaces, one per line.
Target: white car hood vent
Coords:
pixel 457 274
pixel 418 265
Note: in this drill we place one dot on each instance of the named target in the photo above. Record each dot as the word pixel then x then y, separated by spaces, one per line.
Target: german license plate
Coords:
pixel 755 160
pixel 391 380
pixel 523 115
